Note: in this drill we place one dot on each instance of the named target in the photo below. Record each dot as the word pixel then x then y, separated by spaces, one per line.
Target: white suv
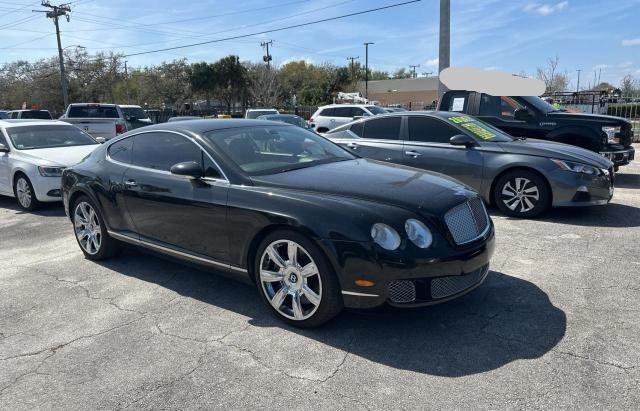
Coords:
pixel 33 155
pixel 334 115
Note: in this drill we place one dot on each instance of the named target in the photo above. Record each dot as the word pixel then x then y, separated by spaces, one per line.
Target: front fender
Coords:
pixel 578 136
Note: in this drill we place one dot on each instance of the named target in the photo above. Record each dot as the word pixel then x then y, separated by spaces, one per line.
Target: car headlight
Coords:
pixel 385 236
pixel 575 167
pixel 418 233
pixel 50 171
pixel 611 133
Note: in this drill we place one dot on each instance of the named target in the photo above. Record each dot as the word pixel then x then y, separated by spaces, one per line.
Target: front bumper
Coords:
pixel 47 189
pixel 579 190
pixel 620 157
pixel 460 271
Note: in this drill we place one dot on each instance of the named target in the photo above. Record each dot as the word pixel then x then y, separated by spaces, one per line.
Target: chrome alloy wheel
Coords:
pixel 23 192
pixel 290 280
pixel 87 228
pixel 520 192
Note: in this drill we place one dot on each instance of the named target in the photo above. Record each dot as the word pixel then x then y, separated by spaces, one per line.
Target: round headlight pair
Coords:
pixel 389 239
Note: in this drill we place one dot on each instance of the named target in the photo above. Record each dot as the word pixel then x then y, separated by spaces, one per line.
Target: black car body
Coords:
pixel 221 216
pixel 532 117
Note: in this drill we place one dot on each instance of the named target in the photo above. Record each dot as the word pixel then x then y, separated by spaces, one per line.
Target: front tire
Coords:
pixel 522 193
pixel 91 232
pixel 25 194
pixel 295 279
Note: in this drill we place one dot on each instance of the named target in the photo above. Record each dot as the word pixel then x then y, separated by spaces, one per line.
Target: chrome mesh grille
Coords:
pixel 448 286
pixel 402 291
pixel 467 221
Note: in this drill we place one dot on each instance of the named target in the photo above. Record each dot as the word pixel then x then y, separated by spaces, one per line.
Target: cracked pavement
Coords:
pixel 557 324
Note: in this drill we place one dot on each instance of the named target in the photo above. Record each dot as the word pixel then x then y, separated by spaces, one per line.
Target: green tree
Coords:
pixel 204 79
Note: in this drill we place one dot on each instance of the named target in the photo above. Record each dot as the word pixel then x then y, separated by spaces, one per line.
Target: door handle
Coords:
pixel 131 183
pixel 353 145
pixel 413 154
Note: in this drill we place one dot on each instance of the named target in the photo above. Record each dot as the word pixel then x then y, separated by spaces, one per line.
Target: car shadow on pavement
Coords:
pixel 627 181
pixel 612 215
pixel 505 320
pixel 45 209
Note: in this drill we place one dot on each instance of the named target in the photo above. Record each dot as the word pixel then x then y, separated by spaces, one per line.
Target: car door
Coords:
pixel 377 138
pixel 342 115
pixel 500 112
pixel 5 167
pixel 427 146
pixel 189 214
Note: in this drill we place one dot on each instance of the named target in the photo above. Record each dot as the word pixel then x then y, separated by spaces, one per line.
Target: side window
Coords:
pixel 383 129
pixel 358 129
pixel 357 111
pixel 210 169
pixel 14 114
pixel 121 151
pixel 327 112
pixel 498 106
pixel 430 130
pixel 3 141
pixel 160 151
pixel 342 112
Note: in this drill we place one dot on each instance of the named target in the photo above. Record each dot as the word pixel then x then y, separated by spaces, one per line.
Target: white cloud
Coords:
pixel 601 66
pixel 432 63
pixel 631 42
pixel 545 9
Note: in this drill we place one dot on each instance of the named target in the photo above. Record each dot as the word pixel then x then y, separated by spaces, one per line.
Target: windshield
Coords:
pixel 258 113
pixel 376 110
pixel 33 137
pixel 479 129
pixel 36 114
pixel 136 112
pixel 92 112
pixel 275 149
pixel 539 104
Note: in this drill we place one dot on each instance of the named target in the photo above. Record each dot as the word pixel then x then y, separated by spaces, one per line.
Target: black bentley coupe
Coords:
pixel 315 227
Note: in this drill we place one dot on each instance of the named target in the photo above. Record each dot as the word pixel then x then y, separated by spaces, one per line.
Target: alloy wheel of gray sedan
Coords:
pixel 520 195
pixel 23 192
pixel 87 228
pixel 290 280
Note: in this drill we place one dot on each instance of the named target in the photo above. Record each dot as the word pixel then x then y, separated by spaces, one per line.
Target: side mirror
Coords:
pixel 521 114
pixel 3 148
pixel 100 140
pixel 188 168
pixel 462 140
pixel 131 118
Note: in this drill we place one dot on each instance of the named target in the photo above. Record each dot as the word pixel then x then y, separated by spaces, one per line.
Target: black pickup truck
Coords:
pixel 533 117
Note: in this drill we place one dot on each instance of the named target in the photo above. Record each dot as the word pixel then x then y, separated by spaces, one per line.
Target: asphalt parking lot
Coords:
pixel 557 324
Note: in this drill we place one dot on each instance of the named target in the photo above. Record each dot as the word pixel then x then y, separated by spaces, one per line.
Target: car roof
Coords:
pixel 93 104
pixel 20 111
pixel 129 106
pixel 348 105
pixel 30 122
pixel 262 109
pixel 206 125
pixel 279 115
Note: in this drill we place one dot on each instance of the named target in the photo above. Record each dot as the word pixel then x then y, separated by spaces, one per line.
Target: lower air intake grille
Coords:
pixel 402 291
pixel 447 286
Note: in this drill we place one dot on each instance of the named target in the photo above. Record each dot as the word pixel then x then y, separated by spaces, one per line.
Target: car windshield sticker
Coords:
pixel 458 104
pixel 473 126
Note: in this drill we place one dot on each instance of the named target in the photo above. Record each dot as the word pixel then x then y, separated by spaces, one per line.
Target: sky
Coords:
pixel 512 36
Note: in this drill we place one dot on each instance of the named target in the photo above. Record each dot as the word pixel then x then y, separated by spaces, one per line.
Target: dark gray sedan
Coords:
pixel 522 177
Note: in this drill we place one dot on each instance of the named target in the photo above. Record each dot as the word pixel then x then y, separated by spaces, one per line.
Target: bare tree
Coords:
pixel 553 80
pixel 628 85
pixel 266 86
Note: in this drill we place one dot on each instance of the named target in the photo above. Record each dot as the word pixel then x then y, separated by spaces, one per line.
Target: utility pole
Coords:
pixel 445 41
pixel 413 68
pixel 599 73
pixel 126 81
pixel 267 58
pixel 427 74
pixel 54 13
pixel 578 86
pixel 366 69
pixel 352 72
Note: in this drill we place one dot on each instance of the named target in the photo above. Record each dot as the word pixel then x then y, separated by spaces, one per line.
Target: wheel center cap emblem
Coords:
pixel 293 278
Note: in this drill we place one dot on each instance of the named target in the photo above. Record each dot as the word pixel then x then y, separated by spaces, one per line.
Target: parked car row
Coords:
pixel 388 208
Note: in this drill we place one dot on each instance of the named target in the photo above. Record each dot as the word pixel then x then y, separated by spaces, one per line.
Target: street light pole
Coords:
pixel 366 70
pixel 578 86
pixel 445 41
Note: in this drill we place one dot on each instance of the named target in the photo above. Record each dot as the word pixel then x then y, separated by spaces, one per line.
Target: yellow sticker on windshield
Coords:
pixel 479 131
pixel 460 119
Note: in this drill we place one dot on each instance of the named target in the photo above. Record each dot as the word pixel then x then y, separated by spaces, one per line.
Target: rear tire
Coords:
pixel 295 279
pixel 24 192
pixel 522 193
pixel 91 232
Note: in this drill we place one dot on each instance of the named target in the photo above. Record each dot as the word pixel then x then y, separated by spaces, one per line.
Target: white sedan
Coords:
pixel 33 155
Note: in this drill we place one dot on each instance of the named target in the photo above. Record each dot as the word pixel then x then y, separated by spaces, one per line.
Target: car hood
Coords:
pixel 600 118
pixel 410 188
pixel 59 156
pixel 543 148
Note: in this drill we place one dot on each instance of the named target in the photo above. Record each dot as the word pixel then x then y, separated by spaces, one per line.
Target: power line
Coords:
pixel 277 29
